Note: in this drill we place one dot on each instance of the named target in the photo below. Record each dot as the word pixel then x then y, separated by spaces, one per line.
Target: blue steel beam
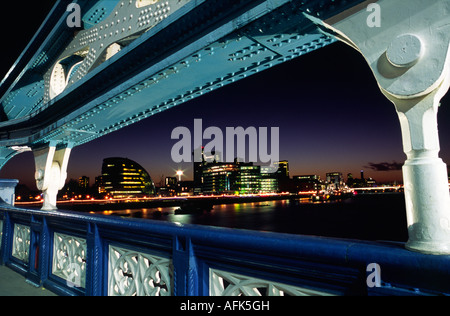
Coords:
pixel 200 47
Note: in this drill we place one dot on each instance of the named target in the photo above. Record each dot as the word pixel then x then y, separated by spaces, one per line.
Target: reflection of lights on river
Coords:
pixel 181 219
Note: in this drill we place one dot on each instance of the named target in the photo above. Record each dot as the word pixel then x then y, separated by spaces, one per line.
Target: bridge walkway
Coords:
pixel 13 284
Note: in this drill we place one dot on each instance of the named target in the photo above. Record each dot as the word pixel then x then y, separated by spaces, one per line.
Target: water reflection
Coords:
pixel 373 217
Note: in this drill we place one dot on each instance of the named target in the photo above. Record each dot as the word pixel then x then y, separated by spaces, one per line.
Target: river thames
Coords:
pixel 364 217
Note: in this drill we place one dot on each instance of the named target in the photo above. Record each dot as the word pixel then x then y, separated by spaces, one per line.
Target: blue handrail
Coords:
pixel 200 255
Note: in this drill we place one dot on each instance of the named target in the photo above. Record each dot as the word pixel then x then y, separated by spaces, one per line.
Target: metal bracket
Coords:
pixel 51 172
pixel 408 52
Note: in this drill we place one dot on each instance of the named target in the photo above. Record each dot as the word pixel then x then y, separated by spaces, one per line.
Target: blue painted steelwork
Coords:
pixel 200 47
pixel 100 11
pixel 328 265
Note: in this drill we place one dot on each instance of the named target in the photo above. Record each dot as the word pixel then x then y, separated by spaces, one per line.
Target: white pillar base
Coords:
pixel 427 205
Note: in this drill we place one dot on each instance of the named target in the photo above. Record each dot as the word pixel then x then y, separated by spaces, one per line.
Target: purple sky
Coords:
pixel 331 115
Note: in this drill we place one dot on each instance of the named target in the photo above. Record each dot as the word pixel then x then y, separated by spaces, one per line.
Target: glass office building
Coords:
pixel 124 178
pixel 219 178
pixel 249 179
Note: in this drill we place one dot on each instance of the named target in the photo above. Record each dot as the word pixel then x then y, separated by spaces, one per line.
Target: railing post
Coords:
pixel 7 195
pixel 32 274
pixel 5 249
pixel 185 268
pixel 95 266
pixel 44 252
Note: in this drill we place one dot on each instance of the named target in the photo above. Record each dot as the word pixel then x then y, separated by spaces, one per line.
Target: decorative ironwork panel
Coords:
pixel 21 242
pixel 231 284
pixel 132 273
pixel 69 259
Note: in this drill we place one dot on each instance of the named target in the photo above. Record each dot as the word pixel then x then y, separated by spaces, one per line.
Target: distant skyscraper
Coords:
pixel 83 182
pixel 125 178
pixel 205 159
pixel 198 168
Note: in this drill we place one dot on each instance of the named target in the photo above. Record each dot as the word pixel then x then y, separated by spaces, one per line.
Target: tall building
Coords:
pixel 198 168
pixel 201 160
pixel 125 178
pixel 249 179
pixel 335 180
pixel 219 178
pixel 285 183
pixel 83 182
pixel 268 181
pixel 283 169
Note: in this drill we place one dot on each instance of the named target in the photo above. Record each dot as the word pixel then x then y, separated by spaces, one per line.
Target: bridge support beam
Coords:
pixel 51 172
pixel 425 175
pixel 407 49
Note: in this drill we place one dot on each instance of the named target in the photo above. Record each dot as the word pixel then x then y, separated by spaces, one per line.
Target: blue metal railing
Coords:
pixel 82 254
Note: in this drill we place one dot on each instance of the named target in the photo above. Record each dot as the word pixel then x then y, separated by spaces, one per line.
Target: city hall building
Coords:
pixel 124 178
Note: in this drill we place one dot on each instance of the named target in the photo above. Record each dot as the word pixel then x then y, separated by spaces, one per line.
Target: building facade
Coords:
pixel 236 178
pixel 307 183
pixel 335 181
pixel 219 178
pixel 124 178
pixel 249 179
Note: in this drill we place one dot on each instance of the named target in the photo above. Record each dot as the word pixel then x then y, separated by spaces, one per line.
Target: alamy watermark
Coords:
pixel 74 18
pixel 374 18
pixel 374 276
pixel 234 141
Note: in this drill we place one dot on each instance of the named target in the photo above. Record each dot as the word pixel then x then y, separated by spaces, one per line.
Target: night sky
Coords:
pixel 331 115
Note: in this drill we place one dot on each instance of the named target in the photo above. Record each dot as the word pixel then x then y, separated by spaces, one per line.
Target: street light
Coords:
pixel 180 173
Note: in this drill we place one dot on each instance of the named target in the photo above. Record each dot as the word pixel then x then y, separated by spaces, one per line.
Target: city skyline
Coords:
pixel 327 104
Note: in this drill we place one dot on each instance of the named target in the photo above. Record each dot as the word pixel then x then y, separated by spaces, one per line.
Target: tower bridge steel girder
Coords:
pixel 143 57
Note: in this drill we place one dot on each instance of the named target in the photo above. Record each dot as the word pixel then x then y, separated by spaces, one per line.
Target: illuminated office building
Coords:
pixel 249 179
pixel 269 180
pixel 125 178
pixel 213 177
pixel 236 178
pixel 219 178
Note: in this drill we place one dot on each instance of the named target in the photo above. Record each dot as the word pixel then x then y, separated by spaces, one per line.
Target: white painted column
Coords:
pixel 406 44
pixel 425 176
pixel 51 172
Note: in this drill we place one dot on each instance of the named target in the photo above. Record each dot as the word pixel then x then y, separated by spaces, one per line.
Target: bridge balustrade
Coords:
pixel 81 254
